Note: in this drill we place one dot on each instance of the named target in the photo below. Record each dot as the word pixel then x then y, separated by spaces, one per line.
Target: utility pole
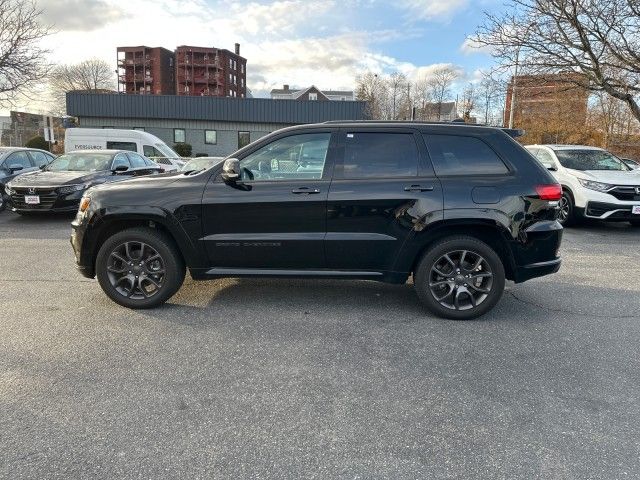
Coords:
pixel 513 89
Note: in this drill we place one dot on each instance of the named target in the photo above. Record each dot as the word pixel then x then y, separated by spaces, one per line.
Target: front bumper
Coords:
pixel 611 212
pixel 84 266
pixel 50 201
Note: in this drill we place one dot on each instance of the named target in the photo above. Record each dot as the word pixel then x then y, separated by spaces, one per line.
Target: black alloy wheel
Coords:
pixel 139 268
pixel 136 270
pixel 565 209
pixel 460 278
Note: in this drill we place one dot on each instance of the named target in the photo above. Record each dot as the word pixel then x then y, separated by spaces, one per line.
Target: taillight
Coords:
pixel 549 192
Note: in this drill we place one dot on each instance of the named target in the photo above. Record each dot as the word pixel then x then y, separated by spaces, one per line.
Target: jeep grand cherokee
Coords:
pixel 459 208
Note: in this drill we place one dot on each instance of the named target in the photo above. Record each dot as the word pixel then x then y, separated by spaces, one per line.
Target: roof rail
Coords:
pixel 512 132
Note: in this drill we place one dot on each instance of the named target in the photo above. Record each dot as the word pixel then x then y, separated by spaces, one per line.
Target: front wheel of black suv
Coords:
pixel 139 268
pixel 459 278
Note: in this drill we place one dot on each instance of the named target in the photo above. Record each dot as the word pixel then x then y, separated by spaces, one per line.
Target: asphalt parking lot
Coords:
pixel 318 379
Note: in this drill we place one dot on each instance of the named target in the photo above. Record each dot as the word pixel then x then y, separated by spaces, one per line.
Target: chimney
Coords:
pixel 286 88
pixel 237 49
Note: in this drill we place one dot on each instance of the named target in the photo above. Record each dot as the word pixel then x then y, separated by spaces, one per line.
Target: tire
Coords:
pixel 567 214
pixel 3 203
pixel 635 223
pixel 139 268
pixel 472 301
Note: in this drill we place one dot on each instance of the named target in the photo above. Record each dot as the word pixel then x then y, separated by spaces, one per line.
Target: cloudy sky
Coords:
pixel 298 42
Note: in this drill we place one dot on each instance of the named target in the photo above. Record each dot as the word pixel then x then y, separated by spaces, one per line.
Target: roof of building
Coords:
pixel 252 110
pixel 296 91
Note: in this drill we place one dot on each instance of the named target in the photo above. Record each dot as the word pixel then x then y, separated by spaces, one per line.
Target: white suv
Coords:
pixel 595 183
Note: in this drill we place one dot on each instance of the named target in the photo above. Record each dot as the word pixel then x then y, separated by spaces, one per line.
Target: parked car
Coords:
pixel 595 183
pixel 137 141
pixel 17 160
pixel 201 163
pixel 634 164
pixel 59 185
pixel 461 208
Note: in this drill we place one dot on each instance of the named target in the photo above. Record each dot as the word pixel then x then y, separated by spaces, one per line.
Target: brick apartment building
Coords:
pixel 547 104
pixel 198 71
pixel 210 72
pixel 146 70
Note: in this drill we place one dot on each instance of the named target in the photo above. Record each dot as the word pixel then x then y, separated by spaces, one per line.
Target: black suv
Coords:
pixel 460 208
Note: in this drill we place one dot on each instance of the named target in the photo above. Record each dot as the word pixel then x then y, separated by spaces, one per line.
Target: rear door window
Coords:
pixel 380 155
pixel 40 158
pixel 463 155
pixel 130 146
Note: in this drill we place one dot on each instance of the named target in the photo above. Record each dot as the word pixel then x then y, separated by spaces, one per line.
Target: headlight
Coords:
pixel 598 186
pixel 71 188
pixel 84 204
pixel 8 190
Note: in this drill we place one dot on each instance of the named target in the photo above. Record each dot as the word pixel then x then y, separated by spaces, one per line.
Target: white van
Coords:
pixel 133 140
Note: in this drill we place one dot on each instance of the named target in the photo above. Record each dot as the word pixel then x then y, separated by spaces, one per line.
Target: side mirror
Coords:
pixel 549 166
pixel 15 168
pixel 120 169
pixel 231 170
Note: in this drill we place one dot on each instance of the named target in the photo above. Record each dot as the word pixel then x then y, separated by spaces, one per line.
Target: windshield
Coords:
pixel 590 160
pixel 166 151
pixel 80 162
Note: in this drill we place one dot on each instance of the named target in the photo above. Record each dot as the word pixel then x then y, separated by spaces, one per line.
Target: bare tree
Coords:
pixel 439 85
pixel 373 90
pixel 490 92
pixel 599 40
pixel 22 60
pixel 468 101
pixel 90 75
pixel 397 93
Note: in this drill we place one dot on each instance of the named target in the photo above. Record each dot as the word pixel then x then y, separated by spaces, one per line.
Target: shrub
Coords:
pixel 37 142
pixel 183 149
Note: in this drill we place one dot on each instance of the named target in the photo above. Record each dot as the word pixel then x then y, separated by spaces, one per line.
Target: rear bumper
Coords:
pixel 533 270
pixel 536 253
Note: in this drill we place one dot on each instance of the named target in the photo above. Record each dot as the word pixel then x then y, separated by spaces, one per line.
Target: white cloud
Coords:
pixel 433 9
pixel 471 46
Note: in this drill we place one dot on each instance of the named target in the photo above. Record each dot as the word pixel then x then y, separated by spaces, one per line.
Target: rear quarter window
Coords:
pixel 463 155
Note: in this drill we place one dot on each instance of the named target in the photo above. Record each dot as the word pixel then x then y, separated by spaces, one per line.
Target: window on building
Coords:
pixel 380 155
pixel 179 135
pixel 244 139
pixel 296 157
pixel 461 155
pixel 313 96
pixel 210 137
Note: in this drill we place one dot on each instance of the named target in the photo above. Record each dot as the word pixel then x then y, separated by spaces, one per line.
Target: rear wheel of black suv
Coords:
pixel 139 268
pixel 460 278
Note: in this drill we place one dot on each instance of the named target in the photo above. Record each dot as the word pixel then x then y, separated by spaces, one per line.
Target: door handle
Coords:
pixel 419 188
pixel 305 190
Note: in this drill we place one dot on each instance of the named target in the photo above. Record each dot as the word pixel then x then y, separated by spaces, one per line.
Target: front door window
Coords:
pixel 296 157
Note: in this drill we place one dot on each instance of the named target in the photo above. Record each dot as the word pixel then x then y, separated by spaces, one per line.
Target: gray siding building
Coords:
pixel 215 126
